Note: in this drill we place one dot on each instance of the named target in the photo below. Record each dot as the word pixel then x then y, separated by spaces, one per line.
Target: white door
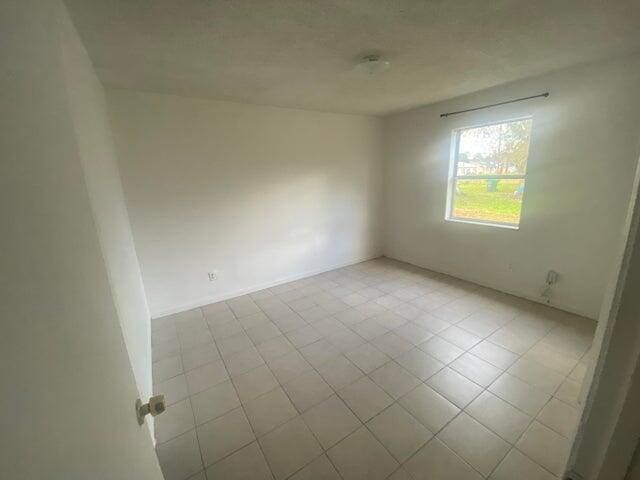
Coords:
pixel 67 390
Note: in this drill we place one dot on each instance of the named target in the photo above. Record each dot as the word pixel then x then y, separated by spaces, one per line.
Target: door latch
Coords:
pixel 155 406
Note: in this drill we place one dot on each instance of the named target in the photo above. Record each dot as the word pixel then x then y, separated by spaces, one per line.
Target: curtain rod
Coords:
pixel 545 94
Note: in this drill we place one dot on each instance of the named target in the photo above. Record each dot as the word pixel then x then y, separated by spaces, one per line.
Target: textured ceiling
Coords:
pixel 300 53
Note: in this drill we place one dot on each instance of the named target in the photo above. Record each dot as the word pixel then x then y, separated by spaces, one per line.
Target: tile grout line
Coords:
pixel 392 359
pixel 335 392
pixel 204 466
pixel 244 411
pixel 280 386
pixel 300 414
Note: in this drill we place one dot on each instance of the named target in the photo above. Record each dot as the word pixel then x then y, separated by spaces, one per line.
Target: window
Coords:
pixel 487 173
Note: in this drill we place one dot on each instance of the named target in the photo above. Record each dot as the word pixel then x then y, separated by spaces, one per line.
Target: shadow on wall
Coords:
pixel 312 211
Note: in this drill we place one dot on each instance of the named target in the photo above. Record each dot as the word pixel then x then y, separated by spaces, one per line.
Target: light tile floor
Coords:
pixel 373 371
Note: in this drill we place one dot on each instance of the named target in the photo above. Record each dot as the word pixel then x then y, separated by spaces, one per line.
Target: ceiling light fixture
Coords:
pixel 371 65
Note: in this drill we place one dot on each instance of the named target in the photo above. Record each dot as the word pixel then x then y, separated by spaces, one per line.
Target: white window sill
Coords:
pixel 484 224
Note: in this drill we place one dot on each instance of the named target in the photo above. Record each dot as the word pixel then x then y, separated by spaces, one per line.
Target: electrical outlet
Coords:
pixel 213 275
pixel 552 279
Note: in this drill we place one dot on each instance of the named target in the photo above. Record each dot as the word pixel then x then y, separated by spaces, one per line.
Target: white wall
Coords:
pixel 584 148
pixel 87 106
pixel 608 429
pixel 261 194
pixel 68 390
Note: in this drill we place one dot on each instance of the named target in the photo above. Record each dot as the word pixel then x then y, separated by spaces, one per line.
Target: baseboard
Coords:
pixel 201 302
pixel 515 293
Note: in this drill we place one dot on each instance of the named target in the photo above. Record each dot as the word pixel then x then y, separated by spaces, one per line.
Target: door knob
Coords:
pixel 155 406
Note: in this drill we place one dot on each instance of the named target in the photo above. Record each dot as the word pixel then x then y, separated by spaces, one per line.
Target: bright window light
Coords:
pixel 487 173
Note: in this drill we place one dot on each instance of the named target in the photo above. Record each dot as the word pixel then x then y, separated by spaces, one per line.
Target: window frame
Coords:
pixel 453 177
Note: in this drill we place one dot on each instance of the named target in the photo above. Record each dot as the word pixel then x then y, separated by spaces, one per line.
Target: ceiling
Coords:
pixel 300 53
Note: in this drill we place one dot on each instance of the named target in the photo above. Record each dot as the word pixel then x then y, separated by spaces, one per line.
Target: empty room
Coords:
pixel 320 240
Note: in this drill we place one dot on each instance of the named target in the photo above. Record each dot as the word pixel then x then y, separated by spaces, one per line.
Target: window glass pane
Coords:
pixel 500 149
pixel 492 201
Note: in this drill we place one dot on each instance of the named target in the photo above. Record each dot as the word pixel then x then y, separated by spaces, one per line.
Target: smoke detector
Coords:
pixel 371 65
